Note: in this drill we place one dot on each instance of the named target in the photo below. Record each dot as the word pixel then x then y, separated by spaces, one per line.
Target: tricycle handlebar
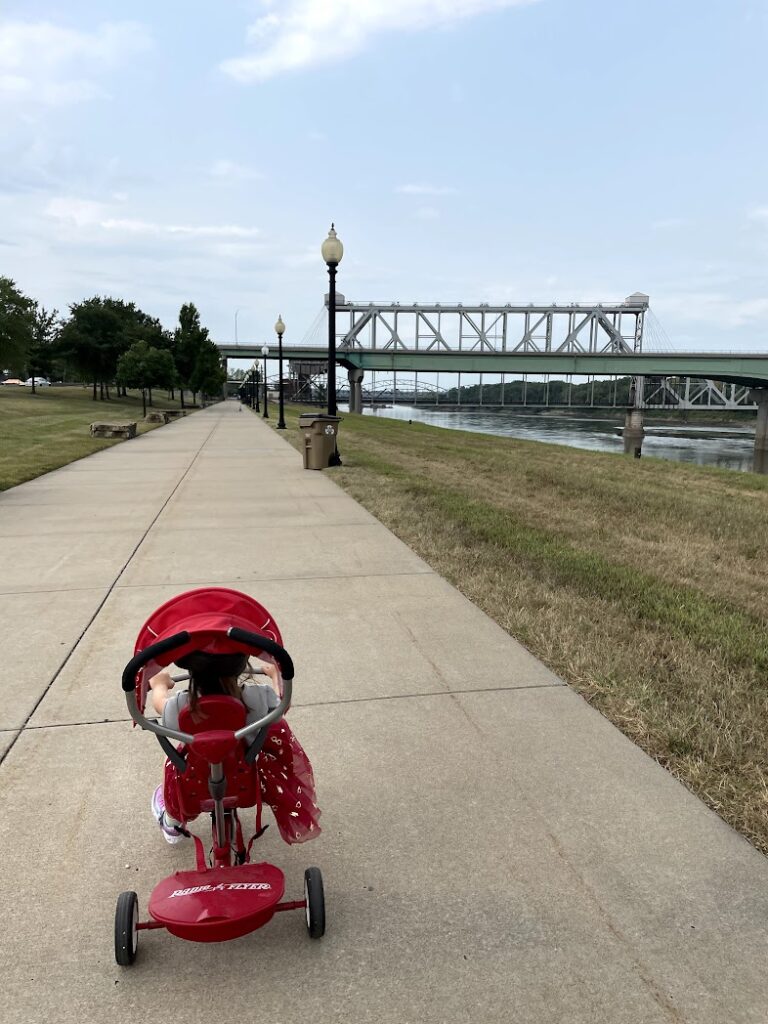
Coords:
pixel 241 636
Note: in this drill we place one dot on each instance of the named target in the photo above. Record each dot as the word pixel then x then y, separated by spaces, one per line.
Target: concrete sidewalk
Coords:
pixel 493 849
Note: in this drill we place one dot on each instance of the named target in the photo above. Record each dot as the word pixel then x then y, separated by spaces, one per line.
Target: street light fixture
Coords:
pixel 280 331
pixel 255 373
pixel 332 251
pixel 265 353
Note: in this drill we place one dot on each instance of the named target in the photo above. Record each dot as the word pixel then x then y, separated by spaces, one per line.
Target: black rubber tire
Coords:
pixel 315 899
pixel 126 936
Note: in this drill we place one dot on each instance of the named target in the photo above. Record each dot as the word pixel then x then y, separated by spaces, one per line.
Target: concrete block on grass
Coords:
pixel 120 430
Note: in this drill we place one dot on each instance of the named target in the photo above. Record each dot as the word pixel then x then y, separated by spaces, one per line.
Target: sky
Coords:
pixel 467 150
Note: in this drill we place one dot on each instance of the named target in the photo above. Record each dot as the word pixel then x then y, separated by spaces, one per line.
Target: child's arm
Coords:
pixel 273 673
pixel 269 668
pixel 160 685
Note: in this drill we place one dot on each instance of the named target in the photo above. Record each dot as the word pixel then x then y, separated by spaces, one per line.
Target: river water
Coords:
pixel 711 445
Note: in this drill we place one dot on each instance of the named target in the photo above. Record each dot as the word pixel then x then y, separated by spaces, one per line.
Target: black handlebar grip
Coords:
pixel 153 651
pixel 263 643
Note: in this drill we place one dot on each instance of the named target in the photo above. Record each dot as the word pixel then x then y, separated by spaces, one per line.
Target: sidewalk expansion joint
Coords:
pixel 277 579
pixel 78 725
pixel 69 590
pixel 326 703
pixel 111 587
pixel 431 693
pixel 264 529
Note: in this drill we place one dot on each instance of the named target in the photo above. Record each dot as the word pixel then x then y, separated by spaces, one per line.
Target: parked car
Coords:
pixel 14 380
pixel 40 382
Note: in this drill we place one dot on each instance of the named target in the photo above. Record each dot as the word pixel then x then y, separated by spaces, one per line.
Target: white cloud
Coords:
pixel 43 64
pixel 724 311
pixel 427 190
pixel 229 170
pixel 80 212
pixel 88 214
pixel 143 227
pixel 305 33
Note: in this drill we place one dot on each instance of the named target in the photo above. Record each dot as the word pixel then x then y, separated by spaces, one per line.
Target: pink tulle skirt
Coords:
pixel 288 785
pixel 285 780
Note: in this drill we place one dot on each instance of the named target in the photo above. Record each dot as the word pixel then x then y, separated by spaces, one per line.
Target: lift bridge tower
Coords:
pixel 444 327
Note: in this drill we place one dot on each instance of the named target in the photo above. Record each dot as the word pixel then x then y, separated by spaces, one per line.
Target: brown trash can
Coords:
pixel 320 432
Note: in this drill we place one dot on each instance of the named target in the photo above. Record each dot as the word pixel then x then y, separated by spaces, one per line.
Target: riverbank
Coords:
pixel 672 417
pixel 707 445
pixel 50 429
pixel 639 583
pixel 669 417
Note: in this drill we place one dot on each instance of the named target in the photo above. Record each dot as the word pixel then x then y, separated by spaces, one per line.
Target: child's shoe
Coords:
pixel 158 810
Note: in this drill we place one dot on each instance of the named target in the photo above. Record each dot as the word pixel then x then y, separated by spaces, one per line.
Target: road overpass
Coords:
pixel 748 369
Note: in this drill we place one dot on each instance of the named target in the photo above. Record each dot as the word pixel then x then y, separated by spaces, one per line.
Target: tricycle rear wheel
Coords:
pixel 126 932
pixel 314 898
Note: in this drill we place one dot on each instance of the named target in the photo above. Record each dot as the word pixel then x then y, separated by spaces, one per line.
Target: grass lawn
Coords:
pixel 641 583
pixel 49 429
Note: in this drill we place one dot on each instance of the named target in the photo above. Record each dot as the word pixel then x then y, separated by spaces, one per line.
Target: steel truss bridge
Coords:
pixel 659 393
pixel 590 341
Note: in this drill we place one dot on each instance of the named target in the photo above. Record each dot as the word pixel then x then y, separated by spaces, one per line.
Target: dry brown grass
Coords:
pixel 641 584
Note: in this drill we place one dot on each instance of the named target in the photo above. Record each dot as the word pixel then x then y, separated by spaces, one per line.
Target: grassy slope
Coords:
pixel 41 432
pixel 640 583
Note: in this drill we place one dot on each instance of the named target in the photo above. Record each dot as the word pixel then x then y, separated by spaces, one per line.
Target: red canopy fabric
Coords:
pixel 206 614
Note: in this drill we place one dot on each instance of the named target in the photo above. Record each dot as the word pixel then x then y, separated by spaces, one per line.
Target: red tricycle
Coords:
pixel 219 767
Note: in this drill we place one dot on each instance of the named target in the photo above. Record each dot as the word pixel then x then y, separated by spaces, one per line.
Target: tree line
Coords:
pixel 554 392
pixel 108 343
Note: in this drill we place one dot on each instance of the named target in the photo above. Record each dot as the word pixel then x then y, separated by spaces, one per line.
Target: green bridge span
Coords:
pixel 747 369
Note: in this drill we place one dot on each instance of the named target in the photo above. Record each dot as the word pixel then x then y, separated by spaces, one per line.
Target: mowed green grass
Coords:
pixel 641 583
pixel 49 429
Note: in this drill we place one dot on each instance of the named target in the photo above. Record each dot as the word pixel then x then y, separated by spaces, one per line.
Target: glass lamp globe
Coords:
pixel 332 249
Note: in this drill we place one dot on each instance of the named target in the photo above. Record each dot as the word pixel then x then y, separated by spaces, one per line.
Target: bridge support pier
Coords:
pixel 634 432
pixel 760 397
pixel 355 377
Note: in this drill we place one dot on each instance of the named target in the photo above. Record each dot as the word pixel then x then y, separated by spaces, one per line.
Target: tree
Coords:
pixel 208 376
pixel 145 367
pixel 17 312
pixel 189 339
pixel 143 327
pixel 41 356
pixel 99 330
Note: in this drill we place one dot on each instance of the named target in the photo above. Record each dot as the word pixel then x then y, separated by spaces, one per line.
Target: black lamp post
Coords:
pixel 255 379
pixel 280 330
pixel 265 353
pixel 332 251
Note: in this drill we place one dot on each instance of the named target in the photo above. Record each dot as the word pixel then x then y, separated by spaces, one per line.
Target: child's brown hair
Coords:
pixel 211 674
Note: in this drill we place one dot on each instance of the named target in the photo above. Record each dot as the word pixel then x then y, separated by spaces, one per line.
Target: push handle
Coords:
pixel 139 660
pixel 283 659
pixel 172 643
pixel 264 643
